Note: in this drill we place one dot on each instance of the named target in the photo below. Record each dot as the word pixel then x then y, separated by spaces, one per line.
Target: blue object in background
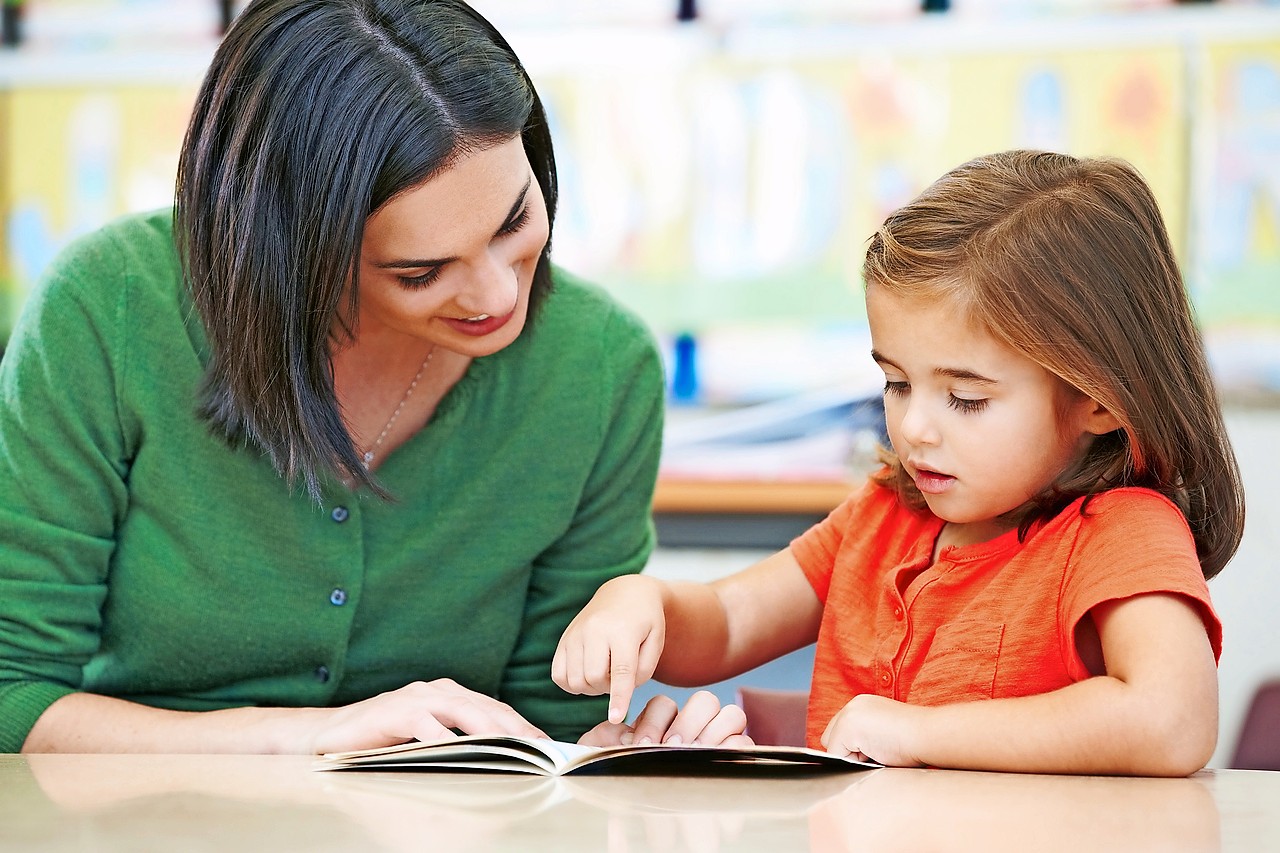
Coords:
pixel 684 371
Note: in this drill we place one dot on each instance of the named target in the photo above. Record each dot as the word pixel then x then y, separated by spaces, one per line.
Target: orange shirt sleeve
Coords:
pixel 1137 542
pixel 816 549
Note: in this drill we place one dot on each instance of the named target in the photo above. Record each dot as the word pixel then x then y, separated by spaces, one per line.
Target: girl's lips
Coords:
pixel 478 328
pixel 933 483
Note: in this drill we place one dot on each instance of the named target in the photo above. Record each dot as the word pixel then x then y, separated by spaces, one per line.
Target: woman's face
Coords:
pixel 451 261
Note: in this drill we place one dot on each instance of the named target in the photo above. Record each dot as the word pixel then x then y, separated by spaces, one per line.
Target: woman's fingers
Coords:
pixel 458 707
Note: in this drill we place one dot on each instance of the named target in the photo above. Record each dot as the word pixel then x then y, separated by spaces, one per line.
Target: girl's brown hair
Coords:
pixel 1068 261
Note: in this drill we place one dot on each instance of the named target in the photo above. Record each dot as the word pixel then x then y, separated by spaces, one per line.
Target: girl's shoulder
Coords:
pixel 1124 528
pixel 1127 505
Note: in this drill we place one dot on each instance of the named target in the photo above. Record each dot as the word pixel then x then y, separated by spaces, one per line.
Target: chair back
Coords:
pixel 1259 745
pixel 774 717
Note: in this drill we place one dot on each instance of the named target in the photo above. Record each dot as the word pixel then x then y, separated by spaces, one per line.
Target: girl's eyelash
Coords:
pixel 516 224
pixel 413 282
pixel 968 407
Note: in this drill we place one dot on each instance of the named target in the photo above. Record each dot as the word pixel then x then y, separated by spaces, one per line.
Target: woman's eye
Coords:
pixel 414 282
pixel 960 404
pixel 897 389
pixel 516 224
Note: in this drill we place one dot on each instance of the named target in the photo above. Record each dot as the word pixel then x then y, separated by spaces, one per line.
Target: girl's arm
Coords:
pixel 1154 712
pixel 685 634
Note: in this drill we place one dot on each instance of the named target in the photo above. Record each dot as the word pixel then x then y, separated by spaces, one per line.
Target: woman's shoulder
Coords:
pixel 578 304
pixel 147 235
pixel 124 252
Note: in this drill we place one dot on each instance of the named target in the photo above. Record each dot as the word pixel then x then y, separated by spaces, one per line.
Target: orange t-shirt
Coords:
pixel 986 621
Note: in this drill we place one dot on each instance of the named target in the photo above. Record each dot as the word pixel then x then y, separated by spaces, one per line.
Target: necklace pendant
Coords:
pixel 367 458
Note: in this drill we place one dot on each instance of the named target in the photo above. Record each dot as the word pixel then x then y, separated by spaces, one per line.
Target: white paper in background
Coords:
pixel 752 363
pixel 827 434
pixel 551 14
pixel 753 12
pixel 106 24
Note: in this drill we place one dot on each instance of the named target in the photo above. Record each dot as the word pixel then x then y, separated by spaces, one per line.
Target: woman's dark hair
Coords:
pixel 1067 261
pixel 313 114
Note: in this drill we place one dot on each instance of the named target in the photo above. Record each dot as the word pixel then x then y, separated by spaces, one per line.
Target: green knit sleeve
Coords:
pixel 62 480
pixel 611 534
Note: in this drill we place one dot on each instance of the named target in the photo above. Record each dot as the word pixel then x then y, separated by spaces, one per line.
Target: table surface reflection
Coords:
pixel 185 802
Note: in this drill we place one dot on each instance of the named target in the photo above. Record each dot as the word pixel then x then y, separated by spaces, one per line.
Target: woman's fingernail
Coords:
pixel 627 738
pixel 646 740
pixel 675 740
pixel 615 716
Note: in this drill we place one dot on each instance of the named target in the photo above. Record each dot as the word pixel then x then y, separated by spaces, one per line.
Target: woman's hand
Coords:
pixel 702 722
pixel 614 644
pixel 874 727
pixel 424 711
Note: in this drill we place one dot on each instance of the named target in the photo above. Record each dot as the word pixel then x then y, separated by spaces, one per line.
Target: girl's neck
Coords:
pixel 955 535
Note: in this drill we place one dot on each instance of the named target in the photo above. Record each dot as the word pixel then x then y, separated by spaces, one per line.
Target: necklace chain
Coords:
pixel 367 457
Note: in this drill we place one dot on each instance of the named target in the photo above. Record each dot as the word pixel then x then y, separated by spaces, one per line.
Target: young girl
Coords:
pixel 1022 588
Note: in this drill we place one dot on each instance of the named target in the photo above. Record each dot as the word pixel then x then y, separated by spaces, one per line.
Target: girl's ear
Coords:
pixel 1099 420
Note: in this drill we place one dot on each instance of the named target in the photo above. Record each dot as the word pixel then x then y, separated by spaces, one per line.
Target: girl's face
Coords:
pixel 980 428
pixel 451 261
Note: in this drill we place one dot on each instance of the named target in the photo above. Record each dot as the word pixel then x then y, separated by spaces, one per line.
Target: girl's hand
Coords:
pixel 876 728
pixel 424 711
pixel 702 722
pixel 614 644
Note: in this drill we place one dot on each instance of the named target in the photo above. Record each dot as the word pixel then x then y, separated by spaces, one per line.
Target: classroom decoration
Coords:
pixel 722 178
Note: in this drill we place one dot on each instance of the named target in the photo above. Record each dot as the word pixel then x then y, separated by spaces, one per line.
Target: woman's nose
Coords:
pixel 493 289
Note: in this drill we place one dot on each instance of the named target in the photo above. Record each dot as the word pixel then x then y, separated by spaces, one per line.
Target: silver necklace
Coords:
pixel 366 458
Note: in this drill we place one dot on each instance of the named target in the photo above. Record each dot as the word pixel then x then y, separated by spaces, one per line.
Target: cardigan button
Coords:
pixel 338 597
pixel 339 514
pixel 322 673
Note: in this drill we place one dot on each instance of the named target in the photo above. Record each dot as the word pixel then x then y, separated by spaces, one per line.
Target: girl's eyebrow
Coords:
pixel 415 263
pixel 960 373
pixel 965 375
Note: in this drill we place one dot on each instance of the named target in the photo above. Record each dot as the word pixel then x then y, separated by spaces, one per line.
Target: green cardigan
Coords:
pixel 143 558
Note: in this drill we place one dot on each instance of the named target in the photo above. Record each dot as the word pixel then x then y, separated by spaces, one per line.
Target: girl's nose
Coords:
pixel 918 426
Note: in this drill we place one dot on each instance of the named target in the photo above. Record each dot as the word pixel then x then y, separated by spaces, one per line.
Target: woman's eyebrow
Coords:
pixel 417 263
pixel 514 213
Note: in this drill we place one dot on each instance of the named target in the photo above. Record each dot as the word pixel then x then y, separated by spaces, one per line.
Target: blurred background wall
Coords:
pixel 721 174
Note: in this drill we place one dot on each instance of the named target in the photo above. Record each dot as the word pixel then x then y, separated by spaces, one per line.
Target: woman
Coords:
pixel 330 455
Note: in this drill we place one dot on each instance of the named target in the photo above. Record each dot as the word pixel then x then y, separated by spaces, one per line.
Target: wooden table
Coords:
pixel 172 802
pixel 765 514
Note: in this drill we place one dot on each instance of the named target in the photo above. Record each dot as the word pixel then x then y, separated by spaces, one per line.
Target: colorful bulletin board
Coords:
pixel 76 157
pixel 728 192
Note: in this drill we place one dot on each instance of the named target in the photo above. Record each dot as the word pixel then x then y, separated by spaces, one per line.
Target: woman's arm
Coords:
pixel 87 723
pixel 1154 712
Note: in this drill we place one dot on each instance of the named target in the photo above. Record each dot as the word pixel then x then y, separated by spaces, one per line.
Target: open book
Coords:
pixel 479 753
